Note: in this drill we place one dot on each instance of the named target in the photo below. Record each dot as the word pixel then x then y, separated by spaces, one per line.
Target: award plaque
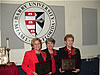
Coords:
pixel 68 64
pixel 43 67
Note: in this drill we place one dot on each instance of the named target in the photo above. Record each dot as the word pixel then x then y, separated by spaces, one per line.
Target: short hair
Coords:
pixel 68 36
pixel 50 40
pixel 35 39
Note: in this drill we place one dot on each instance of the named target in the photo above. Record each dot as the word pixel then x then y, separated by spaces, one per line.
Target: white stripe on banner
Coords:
pixel 38 28
pixel 30 18
pixel 31 26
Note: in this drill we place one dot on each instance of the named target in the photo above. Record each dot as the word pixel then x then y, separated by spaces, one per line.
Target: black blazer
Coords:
pixel 64 54
pixel 49 56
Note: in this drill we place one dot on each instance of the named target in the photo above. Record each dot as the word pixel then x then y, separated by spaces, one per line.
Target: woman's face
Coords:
pixel 36 45
pixel 50 45
pixel 69 42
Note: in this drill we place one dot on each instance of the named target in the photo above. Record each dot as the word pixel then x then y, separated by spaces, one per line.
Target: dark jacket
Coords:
pixel 54 60
pixel 64 54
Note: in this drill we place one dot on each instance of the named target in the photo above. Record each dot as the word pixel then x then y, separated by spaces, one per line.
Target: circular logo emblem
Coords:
pixel 34 19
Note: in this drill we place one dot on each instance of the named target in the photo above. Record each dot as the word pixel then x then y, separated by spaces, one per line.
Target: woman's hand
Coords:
pixel 35 73
pixel 61 70
pixel 76 70
pixel 49 73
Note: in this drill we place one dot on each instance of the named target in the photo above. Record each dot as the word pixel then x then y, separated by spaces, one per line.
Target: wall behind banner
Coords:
pixel 73 24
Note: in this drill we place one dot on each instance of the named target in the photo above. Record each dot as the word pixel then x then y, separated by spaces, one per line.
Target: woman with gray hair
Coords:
pixel 51 53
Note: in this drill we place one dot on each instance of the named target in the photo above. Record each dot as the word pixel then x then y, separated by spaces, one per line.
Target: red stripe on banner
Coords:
pixel 31 30
pixel 29 13
pixel 30 22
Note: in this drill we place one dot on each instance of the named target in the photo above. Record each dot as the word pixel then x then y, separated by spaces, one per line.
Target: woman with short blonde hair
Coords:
pixel 33 56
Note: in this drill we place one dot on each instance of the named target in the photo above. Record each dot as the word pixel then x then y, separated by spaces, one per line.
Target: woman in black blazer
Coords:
pixel 69 52
pixel 51 54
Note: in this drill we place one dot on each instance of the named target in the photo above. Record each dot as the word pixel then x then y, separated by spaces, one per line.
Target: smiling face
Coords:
pixel 50 45
pixel 69 42
pixel 36 45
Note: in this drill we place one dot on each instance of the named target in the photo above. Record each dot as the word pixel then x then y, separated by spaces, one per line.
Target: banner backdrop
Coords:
pixel 7 12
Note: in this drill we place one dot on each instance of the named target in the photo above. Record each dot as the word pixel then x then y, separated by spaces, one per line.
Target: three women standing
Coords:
pixel 36 55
